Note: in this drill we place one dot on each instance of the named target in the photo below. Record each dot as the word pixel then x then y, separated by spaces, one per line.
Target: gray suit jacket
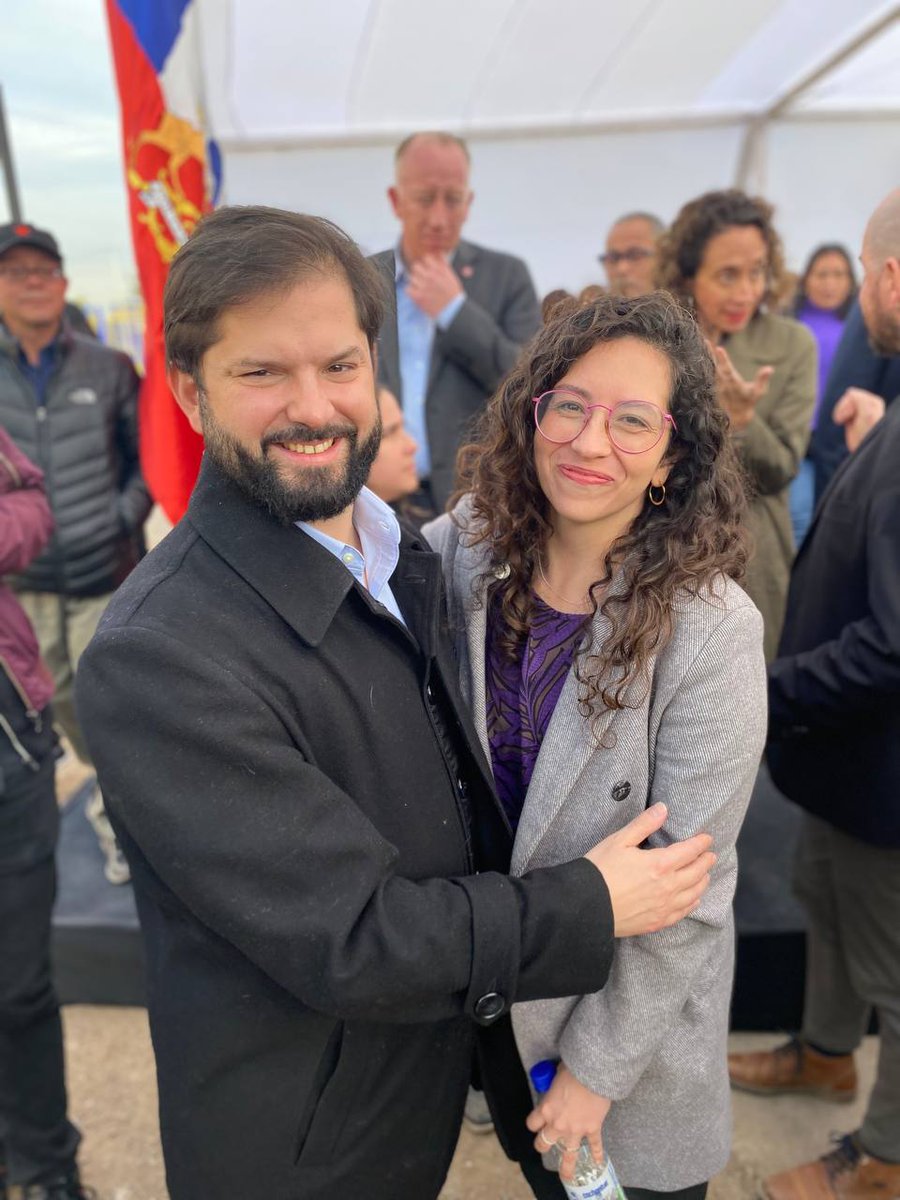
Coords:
pixel 654 1039
pixel 471 356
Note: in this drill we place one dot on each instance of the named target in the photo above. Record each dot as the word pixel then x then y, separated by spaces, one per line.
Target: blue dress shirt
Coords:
pixel 415 336
pixel 379 534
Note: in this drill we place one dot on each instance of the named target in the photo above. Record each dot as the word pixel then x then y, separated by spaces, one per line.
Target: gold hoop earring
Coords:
pixel 652 498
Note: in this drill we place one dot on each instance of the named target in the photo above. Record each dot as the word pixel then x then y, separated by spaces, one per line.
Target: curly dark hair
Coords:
pixel 696 537
pixel 682 246
pixel 827 248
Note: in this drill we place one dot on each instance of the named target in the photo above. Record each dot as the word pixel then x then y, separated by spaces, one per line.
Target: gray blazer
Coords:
pixel 471 356
pixel 654 1039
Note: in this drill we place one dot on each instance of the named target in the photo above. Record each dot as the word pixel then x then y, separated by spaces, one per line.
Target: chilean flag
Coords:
pixel 174 175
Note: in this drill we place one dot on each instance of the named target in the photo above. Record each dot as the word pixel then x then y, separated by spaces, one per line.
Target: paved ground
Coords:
pixel 113 1100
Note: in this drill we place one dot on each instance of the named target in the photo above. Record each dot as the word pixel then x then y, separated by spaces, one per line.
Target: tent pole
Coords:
pixel 752 157
pixel 9 170
pixel 835 60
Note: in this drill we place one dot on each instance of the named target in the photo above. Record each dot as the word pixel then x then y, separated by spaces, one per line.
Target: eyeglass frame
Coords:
pixel 634 254
pixel 21 274
pixel 588 409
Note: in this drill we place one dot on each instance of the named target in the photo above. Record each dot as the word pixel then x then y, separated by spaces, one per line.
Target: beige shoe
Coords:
pixel 846 1173
pixel 795 1067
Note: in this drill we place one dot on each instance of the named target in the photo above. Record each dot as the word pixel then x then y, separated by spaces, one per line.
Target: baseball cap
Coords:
pixel 20 233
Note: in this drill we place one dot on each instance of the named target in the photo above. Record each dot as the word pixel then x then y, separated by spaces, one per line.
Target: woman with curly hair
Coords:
pixel 612 660
pixel 723 258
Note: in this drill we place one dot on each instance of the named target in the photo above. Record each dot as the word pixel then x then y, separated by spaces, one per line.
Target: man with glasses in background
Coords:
pixel 70 405
pixel 461 311
pixel 630 256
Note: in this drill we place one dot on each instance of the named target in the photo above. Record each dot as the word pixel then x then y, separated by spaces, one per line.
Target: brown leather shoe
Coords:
pixel 846 1173
pixel 795 1067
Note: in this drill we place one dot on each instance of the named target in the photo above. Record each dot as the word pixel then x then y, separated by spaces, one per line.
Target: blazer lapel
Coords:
pixel 570 740
pixel 566 749
pixel 467 568
pixel 294 574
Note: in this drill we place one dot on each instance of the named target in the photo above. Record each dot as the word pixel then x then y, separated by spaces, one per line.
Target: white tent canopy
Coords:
pixel 575 111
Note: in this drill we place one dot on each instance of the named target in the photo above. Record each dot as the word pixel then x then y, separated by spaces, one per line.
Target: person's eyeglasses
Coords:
pixel 635 255
pixel 633 426
pixel 20 274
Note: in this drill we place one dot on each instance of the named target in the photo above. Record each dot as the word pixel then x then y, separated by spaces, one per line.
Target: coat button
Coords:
pixel 489 1007
pixel 621 791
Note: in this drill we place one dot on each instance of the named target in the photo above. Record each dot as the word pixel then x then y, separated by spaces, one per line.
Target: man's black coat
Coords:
pixel 304 808
pixel 835 687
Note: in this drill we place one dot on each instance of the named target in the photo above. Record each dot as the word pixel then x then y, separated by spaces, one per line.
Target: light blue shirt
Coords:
pixel 415 337
pixel 379 535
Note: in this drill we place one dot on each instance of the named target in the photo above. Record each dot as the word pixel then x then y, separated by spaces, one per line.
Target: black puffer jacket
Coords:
pixel 85 441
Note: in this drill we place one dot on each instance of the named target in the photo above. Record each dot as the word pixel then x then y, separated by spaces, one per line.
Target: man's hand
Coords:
pixel 858 411
pixel 738 397
pixel 651 889
pixel 567 1113
pixel 433 284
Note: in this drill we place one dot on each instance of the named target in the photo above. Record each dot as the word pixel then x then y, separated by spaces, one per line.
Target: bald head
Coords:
pixel 431 194
pixel 883 232
pixel 630 256
pixel 879 295
pixel 433 138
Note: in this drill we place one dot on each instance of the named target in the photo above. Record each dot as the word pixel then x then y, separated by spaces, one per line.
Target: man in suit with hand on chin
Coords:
pixel 460 312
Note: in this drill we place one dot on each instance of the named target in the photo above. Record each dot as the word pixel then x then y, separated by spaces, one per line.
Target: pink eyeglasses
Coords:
pixel 633 426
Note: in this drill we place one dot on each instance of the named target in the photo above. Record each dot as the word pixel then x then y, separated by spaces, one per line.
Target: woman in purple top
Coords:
pixel 612 661
pixel 825 295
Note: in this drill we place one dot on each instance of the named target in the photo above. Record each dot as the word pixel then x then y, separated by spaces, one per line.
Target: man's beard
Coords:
pixel 314 495
pixel 884 334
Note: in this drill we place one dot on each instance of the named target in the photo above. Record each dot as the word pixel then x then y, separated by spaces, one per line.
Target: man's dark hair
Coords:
pixel 240 252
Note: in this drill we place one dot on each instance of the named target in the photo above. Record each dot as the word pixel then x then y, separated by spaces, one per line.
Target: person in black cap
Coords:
pixel 70 404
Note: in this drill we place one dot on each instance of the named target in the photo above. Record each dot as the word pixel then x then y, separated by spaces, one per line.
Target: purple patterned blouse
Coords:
pixel 521 696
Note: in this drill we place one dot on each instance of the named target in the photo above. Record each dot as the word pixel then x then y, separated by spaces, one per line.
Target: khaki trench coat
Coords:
pixel 771 449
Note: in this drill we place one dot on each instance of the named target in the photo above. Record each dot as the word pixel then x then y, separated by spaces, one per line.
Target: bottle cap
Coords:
pixel 542 1075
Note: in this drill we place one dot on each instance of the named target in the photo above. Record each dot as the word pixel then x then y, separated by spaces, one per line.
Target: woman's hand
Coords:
pixel 567 1113
pixel 738 397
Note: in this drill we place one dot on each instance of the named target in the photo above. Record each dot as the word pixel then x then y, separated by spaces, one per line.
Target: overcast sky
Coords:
pixel 63 118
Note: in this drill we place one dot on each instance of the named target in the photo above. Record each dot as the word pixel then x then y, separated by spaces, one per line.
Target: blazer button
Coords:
pixel 489 1007
pixel 621 791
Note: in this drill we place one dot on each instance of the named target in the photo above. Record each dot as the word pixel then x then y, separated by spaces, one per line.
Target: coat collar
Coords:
pixel 301 580
pixel 465 255
pixel 62 344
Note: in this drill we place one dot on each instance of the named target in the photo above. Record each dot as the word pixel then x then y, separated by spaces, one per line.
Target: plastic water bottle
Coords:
pixel 591 1180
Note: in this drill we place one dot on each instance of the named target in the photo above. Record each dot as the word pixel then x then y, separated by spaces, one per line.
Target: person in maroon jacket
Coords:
pixel 37 1140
